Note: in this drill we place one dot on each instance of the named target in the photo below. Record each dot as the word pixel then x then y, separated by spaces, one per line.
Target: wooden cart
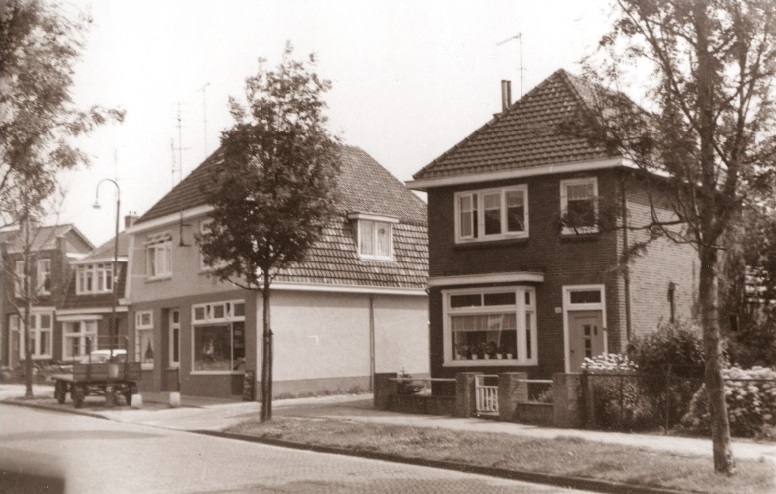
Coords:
pixel 95 379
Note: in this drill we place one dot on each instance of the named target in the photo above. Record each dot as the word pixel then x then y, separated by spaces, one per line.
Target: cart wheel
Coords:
pixel 59 392
pixel 77 393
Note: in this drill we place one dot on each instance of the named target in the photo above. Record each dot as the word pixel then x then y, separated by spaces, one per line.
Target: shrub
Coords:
pixel 754 344
pixel 405 385
pixel 616 394
pixel 751 404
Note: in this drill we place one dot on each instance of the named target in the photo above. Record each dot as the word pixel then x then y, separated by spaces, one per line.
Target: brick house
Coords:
pixel 357 306
pixel 53 250
pixel 86 311
pixel 511 288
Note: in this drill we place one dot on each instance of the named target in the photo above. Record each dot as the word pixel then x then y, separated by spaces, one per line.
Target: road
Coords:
pixel 94 455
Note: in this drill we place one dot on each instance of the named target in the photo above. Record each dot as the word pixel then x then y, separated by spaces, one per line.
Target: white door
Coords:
pixel 586 336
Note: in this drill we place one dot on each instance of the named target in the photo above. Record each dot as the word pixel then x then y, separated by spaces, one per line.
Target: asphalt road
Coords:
pixel 79 454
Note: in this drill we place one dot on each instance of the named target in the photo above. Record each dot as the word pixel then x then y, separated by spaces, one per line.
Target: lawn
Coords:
pixel 565 456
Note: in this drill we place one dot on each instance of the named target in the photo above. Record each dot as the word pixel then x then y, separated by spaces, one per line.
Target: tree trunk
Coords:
pixel 266 355
pixel 715 386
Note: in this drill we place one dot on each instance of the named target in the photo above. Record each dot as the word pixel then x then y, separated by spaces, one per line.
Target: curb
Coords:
pixel 74 411
pixel 538 478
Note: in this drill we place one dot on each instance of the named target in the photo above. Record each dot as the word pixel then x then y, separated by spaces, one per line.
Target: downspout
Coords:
pixel 371 342
pixel 626 261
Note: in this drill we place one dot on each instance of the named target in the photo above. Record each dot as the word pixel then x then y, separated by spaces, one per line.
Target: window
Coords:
pixel 43 285
pixel 175 337
pixel 579 205
pixel 204 227
pixel 219 336
pixel 76 335
pixel 159 255
pixel 41 327
pixel 493 324
pixel 144 339
pixel 491 214
pixel 18 280
pixel 94 278
pixel 374 236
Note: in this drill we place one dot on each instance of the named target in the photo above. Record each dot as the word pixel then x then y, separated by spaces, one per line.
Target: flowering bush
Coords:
pixel 609 362
pixel 751 401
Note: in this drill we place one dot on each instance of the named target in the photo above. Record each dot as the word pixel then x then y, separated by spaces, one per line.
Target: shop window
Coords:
pixel 219 337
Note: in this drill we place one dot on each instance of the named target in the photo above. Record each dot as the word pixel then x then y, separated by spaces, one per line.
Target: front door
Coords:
pixel 172 374
pixel 586 336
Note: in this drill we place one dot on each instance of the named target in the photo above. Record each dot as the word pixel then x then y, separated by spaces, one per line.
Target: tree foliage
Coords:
pixel 273 187
pixel 708 130
pixel 39 45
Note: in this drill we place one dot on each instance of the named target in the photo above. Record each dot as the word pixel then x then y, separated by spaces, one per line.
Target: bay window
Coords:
pixel 490 324
pixel 219 336
pixel 491 214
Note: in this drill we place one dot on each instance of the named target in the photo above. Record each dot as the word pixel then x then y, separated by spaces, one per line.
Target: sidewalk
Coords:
pixel 215 415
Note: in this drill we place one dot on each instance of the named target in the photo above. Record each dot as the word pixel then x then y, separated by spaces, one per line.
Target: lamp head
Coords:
pixel 96 205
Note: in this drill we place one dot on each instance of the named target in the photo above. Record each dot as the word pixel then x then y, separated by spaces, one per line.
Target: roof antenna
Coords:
pixel 204 115
pixel 519 38
pixel 181 243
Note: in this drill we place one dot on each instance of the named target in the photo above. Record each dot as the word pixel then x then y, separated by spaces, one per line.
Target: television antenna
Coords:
pixel 521 69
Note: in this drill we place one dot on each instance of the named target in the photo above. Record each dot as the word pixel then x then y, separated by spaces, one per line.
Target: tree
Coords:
pixel 273 189
pixel 39 43
pixel 708 134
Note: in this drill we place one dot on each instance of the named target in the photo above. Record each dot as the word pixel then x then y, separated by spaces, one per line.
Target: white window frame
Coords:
pixel 479 235
pixel 18 280
pixel 174 364
pixel 97 273
pixel 210 316
pixel 564 203
pixel 144 321
pixel 362 219
pixel 568 306
pixel 159 245
pixel 520 308
pixel 82 335
pixel 40 284
pixel 36 317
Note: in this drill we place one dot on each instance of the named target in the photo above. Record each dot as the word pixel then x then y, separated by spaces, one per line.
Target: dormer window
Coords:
pixel 374 235
pixel 94 278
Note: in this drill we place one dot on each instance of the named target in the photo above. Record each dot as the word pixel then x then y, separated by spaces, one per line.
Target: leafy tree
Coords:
pixel 39 43
pixel 709 134
pixel 273 189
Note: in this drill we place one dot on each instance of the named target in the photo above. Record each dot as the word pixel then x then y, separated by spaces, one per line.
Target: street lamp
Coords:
pixel 112 329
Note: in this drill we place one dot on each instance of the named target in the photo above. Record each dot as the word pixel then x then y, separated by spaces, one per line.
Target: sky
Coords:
pixel 409 79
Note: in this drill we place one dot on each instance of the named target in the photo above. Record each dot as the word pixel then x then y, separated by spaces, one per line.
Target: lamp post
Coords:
pixel 112 330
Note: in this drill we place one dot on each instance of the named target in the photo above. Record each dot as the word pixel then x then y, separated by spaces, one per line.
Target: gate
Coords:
pixel 486 394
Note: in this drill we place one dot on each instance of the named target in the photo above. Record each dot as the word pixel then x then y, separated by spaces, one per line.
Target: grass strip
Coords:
pixel 562 456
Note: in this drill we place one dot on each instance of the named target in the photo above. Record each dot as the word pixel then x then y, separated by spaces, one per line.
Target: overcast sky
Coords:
pixel 410 78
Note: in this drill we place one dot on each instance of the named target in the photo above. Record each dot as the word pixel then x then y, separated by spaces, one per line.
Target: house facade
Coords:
pixel 52 250
pixel 523 277
pixel 357 306
pixel 88 308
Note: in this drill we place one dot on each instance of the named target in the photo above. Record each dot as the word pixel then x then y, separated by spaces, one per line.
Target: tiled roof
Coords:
pixel 43 238
pixel 73 301
pixel 364 187
pixel 105 251
pixel 526 135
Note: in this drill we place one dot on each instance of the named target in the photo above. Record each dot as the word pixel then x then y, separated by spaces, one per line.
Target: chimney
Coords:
pixel 130 219
pixel 506 95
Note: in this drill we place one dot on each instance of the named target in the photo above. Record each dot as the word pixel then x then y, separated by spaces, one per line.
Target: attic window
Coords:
pixel 374 235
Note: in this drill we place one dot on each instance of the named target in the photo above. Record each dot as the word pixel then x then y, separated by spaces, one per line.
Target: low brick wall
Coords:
pixel 535 413
pixel 423 404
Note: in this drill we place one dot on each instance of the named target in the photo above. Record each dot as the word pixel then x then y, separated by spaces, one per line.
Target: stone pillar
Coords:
pixel 465 398
pixel 568 409
pixel 384 388
pixel 512 389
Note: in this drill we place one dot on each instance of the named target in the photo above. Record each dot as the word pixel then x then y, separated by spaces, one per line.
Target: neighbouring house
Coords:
pixel 53 249
pixel 88 306
pixel 357 306
pixel 513 284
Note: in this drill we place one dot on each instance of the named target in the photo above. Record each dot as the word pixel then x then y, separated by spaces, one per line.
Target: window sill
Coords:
pixel 487 244
pixel 146 366
pixel 570 236
pixel 150 279
pixel 376 259
pixel 487 363
pixel 216 373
